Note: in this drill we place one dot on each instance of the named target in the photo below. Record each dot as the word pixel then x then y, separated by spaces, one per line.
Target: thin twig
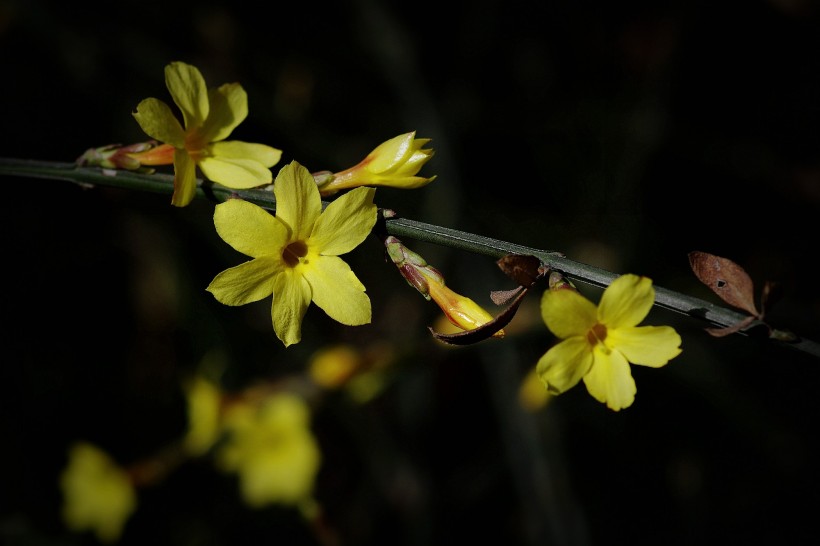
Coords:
pixel 713 315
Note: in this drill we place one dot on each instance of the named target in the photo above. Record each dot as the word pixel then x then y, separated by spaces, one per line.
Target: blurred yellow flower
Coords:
pixel 332 367
pixel 209 118
pixel 393 163
pixel 98 495
pixel 531 393
pixel 296 253
pixel 204 400
pixel 600 342
pixel 272 449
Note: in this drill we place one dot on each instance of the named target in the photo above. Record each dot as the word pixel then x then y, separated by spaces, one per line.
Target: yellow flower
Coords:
pixel 600 342
pixel 209 118
pixel 531 392
pixel 98 494
pixel 204 400
pixel 393 163
pixel 296 253
pixel 332 367
pixel 272 449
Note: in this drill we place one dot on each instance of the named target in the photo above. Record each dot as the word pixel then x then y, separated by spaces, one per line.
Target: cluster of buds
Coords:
pixel 132 157
pixel 429 282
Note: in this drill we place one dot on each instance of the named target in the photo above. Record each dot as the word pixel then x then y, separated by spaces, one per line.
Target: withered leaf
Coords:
pixel 500 297
pixel 524 270
pixel 726 279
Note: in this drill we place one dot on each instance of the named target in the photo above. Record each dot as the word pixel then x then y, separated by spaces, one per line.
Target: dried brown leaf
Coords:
pixel 726 279
pixel 524 270
pixel 501 297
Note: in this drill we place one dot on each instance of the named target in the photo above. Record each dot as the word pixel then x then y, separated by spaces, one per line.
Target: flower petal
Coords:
pixel 391 152
pixel 184 179
pixel 646 345
pixel 567 313
pixel 565 364
pixel 187 87
pixel 236 149
pixel 291 298
pixel 229 108
pixel 626 301
pixel 610 379
pixel 298 203
pixel 158 122
pixel 345 223
pixel 239 174
pixel 337 291
pixel 245 283
pixel 250 229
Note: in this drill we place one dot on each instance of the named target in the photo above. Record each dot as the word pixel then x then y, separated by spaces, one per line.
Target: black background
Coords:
pixel 622 134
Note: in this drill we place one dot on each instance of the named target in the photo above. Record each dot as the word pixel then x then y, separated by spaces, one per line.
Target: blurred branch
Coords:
pixel 713 315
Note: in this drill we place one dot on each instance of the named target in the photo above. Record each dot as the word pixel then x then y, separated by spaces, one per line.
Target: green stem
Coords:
pixel 713 315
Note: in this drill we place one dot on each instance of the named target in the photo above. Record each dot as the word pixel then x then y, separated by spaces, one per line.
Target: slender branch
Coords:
pixel 710 313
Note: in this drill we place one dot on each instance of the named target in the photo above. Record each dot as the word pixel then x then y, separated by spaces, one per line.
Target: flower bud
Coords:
pixel 132 157
pixel 459 310
pixel 394 163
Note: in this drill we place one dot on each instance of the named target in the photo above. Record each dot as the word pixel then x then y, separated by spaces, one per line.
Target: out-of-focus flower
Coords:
pixel 296 253
pixel 600 342
pixel 209 118
pixel 393 163
pixel 332 367
pixel 98 495
pixel 204 406
pixel 531 393
pixel 272 450
pixel 460 310
pixel 362 373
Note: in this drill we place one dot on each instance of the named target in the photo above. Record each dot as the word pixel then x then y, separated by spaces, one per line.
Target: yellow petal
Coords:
pixel 236 149
pixel 250 229
pixel 414 163
pixel 98 494
pixel 391 152
pixel 567 313
pixel 187 87
pixel 626 301
pixel 298 203
pixel 337 291
pixel 158 122
pixel 203 401
pixel 184 179
pixel 610 380
pixel 565 364
pixel 345 223
pixel 245 283
pixel 239 174
pixel 646 345
pixel 291 298
pixel 229 108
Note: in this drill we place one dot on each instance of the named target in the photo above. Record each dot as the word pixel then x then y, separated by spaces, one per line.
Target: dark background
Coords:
pixel 622 134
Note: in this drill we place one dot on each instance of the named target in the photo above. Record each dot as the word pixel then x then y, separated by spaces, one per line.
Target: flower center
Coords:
pixel 596 334
pixel 293 253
